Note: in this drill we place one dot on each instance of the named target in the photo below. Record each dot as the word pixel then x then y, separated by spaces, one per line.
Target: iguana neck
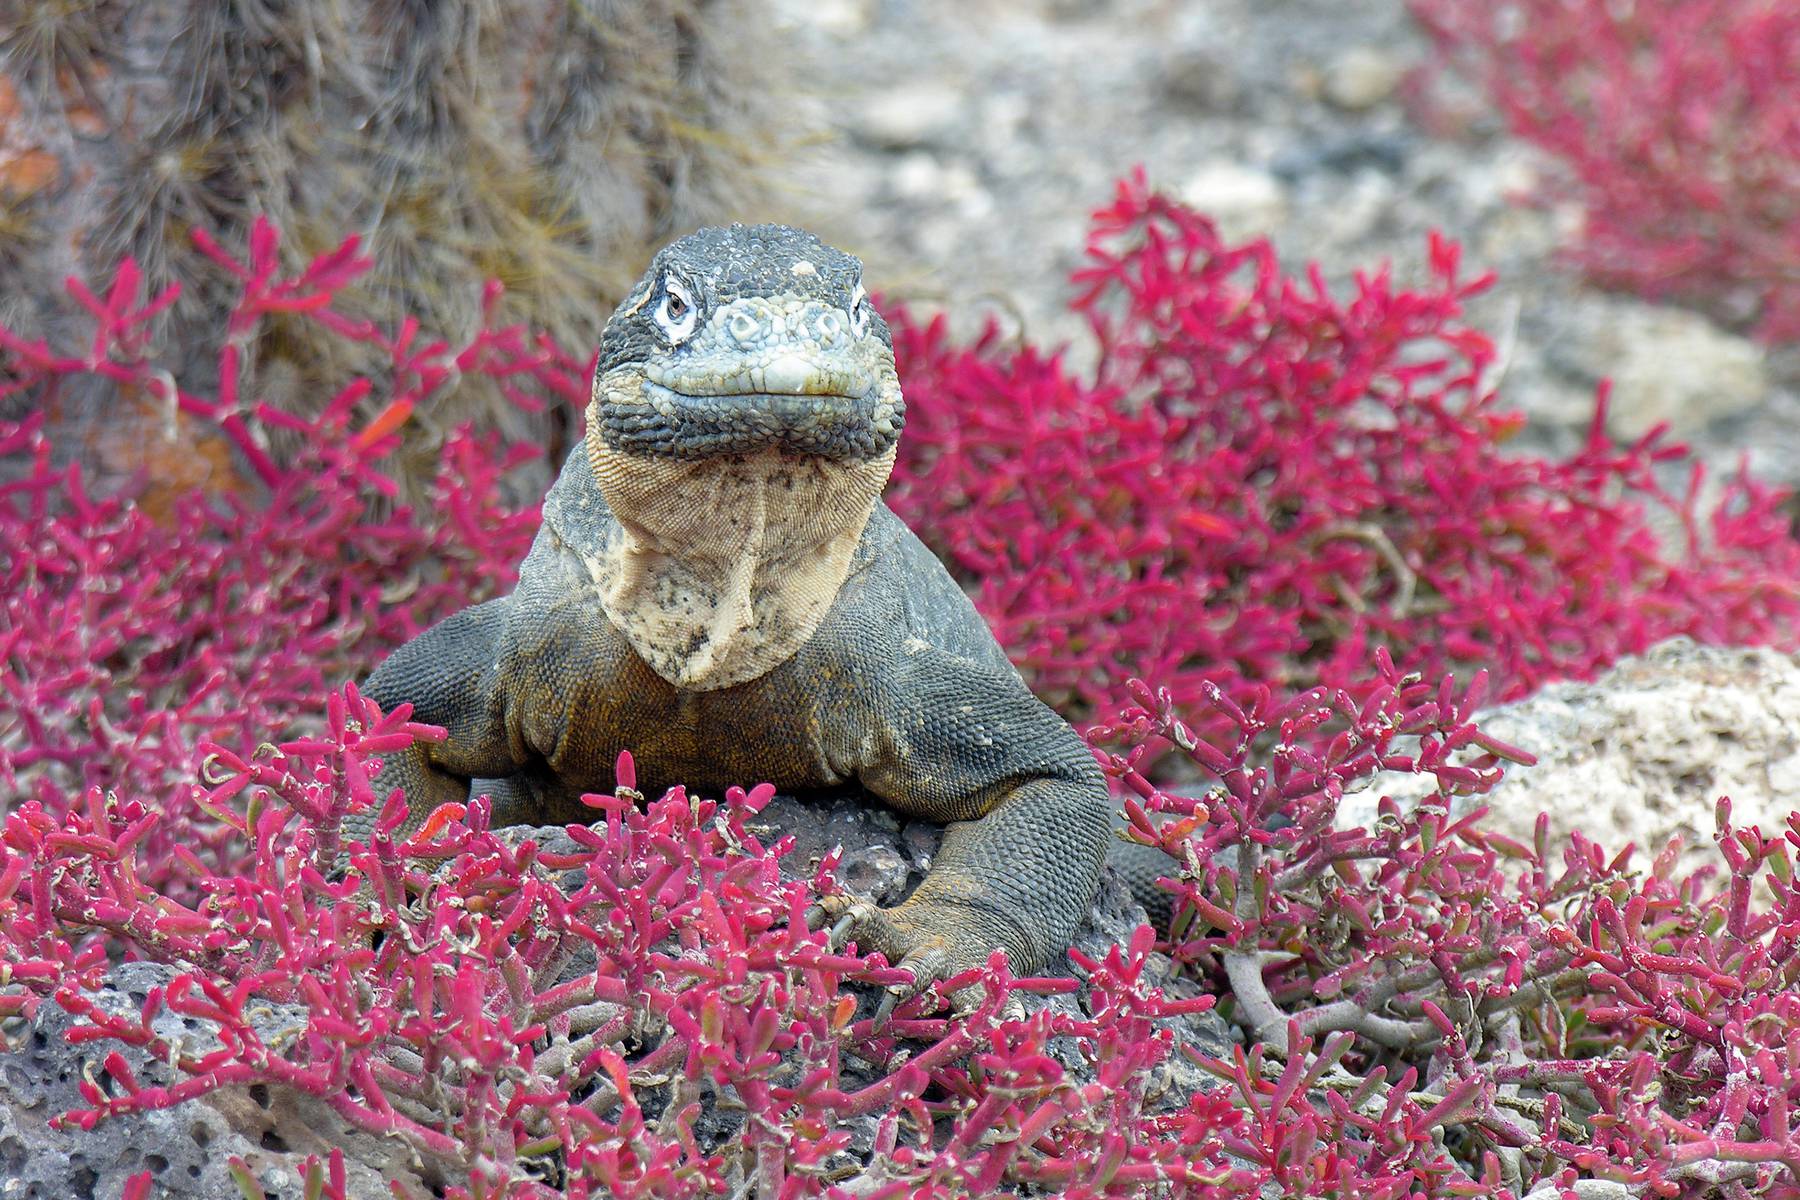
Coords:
pixel 725 566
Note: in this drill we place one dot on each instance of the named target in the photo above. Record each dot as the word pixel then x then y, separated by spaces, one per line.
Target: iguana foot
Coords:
pixel 934 939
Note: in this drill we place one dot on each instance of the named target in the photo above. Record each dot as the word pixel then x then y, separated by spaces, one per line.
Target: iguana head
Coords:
pixel 745 417
pixel 744 339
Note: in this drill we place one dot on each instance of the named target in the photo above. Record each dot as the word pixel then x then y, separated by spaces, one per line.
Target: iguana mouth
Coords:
pixel 641 416
pixel 791 405
pixel 804 371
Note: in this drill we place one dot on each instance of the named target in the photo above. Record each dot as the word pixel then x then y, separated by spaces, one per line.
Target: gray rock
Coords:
pixel 1202 80
pixel 877 872
pixel 1320 159
pixel 1667 365
pixel 186 1148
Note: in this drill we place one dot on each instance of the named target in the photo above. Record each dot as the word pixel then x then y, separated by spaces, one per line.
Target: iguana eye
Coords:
pixel 677 314
pixel 859 311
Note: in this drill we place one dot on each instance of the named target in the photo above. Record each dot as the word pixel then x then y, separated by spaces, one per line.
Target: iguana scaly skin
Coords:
pixel 718 588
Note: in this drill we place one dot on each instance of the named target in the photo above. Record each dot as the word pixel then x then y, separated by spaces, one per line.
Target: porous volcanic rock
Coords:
pixel 1644 752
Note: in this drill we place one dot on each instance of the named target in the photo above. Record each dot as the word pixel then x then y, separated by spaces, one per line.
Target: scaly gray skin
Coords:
pixel 748 354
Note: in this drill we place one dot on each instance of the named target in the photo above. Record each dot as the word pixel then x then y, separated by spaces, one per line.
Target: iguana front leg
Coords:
pixel 451 676
pixel 958 741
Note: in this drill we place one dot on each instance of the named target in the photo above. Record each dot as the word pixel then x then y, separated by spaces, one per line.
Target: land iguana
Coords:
pixel 718 588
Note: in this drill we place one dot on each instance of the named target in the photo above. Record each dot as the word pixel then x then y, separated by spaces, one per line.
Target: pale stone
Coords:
pixel 1362 77
pixel 1643 753
pixel 840 18
pixel 903 117
pixel 1243 200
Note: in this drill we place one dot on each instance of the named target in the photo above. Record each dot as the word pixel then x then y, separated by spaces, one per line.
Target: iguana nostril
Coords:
pixel 743 328
pixel 829 326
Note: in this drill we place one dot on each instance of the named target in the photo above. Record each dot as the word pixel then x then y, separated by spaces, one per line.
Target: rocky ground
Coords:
pixel 966 141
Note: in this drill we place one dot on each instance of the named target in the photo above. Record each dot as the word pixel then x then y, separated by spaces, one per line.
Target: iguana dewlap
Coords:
pixel 718 588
